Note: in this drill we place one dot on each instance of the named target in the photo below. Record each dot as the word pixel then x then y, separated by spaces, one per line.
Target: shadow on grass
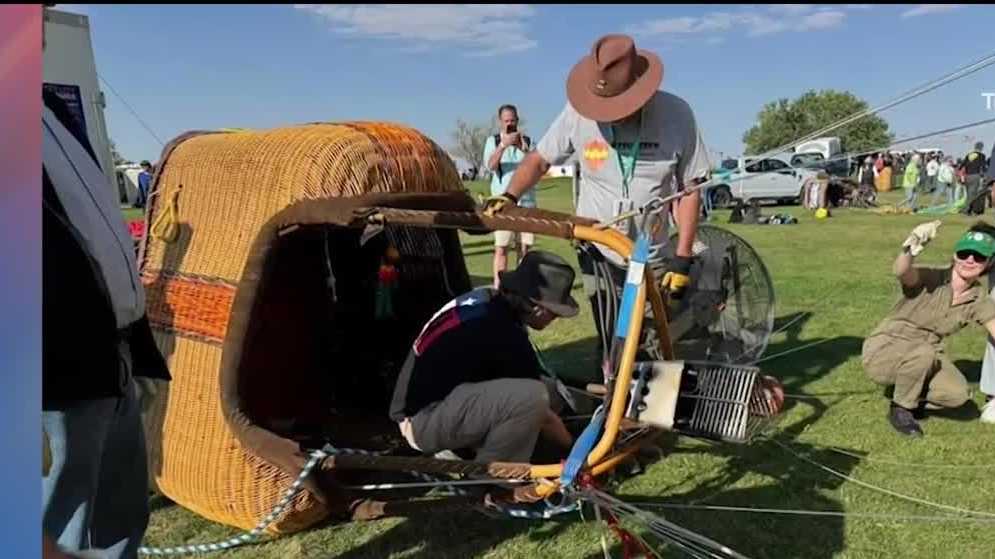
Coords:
pixel 159 502
pixel 790 483
pixel 970 368
pixel 968 412
pixel 432 535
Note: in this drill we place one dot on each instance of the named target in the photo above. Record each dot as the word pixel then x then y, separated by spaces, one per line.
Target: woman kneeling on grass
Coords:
pixel 906 349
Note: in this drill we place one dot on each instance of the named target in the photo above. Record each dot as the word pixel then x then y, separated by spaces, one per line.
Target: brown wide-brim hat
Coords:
pixel 615 80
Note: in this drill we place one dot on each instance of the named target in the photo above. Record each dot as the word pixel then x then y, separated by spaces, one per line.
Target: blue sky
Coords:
pixel 200 67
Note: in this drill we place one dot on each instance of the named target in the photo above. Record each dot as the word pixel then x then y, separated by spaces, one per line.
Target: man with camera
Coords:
pixel 502 154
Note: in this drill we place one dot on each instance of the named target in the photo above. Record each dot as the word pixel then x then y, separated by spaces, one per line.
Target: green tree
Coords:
pixel 468 141
pixel 781 122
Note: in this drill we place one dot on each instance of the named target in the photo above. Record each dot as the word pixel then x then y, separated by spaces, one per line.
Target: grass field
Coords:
pixel 132 213
pixel 836 275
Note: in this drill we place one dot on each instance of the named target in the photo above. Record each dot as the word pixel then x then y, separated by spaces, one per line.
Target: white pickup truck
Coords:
pixel 767 180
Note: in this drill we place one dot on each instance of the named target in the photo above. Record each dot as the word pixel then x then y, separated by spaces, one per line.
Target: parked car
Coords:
pixel 746 179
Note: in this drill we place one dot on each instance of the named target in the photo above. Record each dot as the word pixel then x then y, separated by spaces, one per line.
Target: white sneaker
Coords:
pixel 988 412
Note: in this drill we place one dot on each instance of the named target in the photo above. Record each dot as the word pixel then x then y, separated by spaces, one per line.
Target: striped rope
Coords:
pixel 316 457
pixel 543 510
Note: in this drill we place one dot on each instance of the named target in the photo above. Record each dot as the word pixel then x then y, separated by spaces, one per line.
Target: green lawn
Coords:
pixel 837 274
pixel 132 213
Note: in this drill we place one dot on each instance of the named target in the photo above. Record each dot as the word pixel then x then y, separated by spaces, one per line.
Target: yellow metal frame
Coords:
pixel 598 460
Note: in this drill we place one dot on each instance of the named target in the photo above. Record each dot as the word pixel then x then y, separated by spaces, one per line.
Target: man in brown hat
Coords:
pixel 634 143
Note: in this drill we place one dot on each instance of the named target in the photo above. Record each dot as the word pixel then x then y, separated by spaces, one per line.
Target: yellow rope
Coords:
pixel 166 227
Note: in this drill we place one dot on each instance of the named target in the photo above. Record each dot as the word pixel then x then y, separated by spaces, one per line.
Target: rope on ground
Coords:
pixel 910 464
pixel 316 457
pixel 436 483
pixel 792 350
pixel 806 512
pixel 878 489
pixel 693 543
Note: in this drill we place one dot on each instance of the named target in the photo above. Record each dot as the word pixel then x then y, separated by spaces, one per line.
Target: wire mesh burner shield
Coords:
pixel 709 400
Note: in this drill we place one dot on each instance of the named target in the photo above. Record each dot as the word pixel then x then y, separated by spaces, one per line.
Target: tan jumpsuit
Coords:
pixel 906 349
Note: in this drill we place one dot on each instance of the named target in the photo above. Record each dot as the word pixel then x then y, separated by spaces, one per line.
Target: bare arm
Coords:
pixel 904 270
pixel 528 173
pixel 495 159
pixel 688 213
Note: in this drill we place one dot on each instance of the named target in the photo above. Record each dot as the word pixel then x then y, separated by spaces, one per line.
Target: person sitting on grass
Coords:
pixel 906 349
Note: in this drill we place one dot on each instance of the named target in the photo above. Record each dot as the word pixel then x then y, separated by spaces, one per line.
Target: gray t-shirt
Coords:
pixel 670 148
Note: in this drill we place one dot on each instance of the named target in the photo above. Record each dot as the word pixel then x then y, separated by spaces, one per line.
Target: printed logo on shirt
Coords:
pixel 596 153
pixel 644 147
pixel 462 309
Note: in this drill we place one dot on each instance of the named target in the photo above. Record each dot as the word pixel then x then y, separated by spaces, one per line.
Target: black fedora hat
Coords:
pixel 545 279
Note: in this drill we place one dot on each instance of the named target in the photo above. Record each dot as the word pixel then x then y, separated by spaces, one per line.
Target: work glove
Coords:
pixel 920 237
pixel 676 280
pixel 496 204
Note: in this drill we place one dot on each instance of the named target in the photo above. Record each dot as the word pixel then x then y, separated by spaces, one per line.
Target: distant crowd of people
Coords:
pixel 932 173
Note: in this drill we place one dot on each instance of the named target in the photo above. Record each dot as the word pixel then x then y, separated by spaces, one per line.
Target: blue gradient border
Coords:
pixel 20 278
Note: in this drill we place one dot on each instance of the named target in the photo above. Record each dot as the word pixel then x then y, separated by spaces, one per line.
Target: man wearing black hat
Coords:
pixel 634 144
pixel 472 378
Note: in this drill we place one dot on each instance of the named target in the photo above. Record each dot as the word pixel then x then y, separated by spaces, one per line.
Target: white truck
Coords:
pixel 747 179
pixel 69 71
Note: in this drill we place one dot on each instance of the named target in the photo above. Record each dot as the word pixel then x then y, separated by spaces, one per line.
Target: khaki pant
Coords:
pixel 916 369
pixel 500 419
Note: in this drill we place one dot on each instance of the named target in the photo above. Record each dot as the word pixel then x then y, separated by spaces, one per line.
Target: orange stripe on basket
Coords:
pixel 191 306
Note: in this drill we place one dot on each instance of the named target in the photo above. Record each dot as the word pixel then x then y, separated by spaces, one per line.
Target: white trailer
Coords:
pixel 69 71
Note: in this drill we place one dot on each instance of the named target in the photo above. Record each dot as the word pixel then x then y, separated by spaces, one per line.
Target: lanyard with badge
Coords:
pixel 625 203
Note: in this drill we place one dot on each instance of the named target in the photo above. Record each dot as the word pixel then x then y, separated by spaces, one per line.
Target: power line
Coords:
pixel 965 71
pixel 845 156
pixel 133 113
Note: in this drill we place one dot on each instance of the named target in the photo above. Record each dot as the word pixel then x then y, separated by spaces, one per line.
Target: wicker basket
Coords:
pixel 220 191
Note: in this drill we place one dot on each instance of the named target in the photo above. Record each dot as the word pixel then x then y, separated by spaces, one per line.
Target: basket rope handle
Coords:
pixel 166 227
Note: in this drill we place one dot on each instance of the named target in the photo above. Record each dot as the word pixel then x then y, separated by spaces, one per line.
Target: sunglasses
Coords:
pixel 965 254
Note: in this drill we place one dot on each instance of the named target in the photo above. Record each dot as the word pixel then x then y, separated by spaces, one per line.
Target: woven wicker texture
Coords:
pixel 229 185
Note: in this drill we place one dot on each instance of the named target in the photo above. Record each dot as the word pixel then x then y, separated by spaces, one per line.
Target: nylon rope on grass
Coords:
pixel 882 461
pixel 879 489
pixel 808 512
pixel 906 464
pixel 248 537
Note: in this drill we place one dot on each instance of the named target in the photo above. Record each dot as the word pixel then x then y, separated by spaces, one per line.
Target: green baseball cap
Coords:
pixel 982 243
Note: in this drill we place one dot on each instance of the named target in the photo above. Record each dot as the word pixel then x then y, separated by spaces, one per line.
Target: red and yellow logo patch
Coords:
pixel 596 153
